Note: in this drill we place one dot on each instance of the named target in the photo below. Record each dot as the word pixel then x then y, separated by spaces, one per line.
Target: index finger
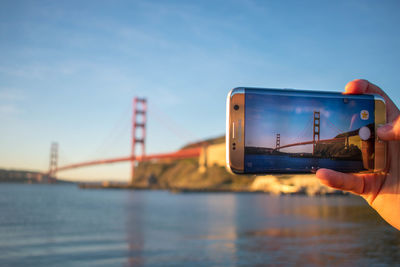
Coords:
pixel 361 86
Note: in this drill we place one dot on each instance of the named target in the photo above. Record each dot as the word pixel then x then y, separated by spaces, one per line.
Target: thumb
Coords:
pixel 342 181
pixel 390 131
pixel 368 185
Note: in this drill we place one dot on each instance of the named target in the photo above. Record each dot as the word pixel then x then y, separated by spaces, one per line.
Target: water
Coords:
pixel 268 163
pixel 48 225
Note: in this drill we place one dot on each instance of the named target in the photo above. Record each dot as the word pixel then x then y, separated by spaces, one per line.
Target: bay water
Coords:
pixel 62 225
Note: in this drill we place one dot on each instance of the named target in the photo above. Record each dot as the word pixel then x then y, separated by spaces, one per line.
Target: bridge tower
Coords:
pixel 53 161
pixel 316 129
pixel 278 142
pixel 138 130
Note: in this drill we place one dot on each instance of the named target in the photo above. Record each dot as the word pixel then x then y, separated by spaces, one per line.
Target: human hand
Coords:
pixel 380 190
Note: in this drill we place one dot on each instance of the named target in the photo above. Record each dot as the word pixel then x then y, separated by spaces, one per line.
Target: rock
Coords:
pixel 291 184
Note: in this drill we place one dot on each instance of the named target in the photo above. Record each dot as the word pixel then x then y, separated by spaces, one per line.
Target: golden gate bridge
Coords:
pixel 316 136
pixel 139 120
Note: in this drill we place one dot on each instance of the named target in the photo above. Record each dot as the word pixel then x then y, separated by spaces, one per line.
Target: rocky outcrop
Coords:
pixel 183 175
pixel 306 184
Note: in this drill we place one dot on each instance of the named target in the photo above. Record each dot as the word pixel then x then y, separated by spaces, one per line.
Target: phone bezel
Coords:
pixel 235 130
pixel 380 149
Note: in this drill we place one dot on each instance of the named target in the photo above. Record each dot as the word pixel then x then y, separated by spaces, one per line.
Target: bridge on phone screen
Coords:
pixel 138 139
pixel 316 125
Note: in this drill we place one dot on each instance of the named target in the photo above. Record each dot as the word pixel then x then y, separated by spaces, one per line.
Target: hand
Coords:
pixel 380 190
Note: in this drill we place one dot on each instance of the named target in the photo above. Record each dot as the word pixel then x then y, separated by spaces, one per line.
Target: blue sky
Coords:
pixel 69 69
pixel 292 117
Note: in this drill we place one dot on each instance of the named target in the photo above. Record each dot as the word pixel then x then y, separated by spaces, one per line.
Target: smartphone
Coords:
pixel 299 131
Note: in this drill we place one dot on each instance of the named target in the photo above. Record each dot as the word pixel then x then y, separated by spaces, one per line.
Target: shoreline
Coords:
pixel 250 190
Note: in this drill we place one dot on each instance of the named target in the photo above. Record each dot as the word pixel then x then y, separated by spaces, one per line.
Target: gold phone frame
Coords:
pixel 380 149
pixel 235 130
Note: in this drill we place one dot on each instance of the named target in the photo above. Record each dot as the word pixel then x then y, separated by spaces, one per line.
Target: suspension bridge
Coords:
pixel 365 143
pixel 138 139
pixel 316 125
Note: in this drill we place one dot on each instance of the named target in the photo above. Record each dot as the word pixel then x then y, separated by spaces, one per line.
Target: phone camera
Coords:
pixel 236 107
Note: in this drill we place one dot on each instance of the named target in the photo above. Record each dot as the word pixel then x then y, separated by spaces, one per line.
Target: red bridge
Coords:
pixel 138 126
pixel 316 136
pixel 333 140
pixel 180 154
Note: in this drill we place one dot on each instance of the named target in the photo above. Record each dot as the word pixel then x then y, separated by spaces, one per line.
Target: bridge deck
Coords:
pixel 180 154
pixel 333 140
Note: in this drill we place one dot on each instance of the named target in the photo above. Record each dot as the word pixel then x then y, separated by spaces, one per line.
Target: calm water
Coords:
pixel 44 225
pixel 267 163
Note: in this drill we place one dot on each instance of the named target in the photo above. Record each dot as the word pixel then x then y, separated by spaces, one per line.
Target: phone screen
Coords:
pixel 301 131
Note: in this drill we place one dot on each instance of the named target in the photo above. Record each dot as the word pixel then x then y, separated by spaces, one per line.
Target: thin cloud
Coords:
pixel 9 94
pixel 305 109
pixel 9 102
pixel 324 112
pixel 7 110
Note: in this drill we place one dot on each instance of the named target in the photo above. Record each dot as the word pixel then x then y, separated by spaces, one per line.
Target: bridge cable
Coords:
pixel 119 127
pixel 304 131
pixel 333 126
pixel 171 125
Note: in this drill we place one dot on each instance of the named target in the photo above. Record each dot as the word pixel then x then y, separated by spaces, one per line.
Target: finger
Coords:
pixel 358 86
pixel 390 131
pixel 343 181
pixel 361 86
